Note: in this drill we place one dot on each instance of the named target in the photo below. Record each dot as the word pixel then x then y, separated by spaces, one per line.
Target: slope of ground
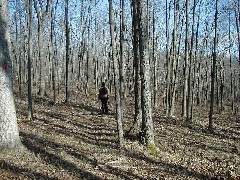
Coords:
pixel 74 141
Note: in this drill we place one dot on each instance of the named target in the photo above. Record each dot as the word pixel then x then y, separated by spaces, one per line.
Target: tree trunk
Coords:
pixel 190 85
pixel 186 66
pixel 9 134
pixel 147 132
pixel 30 106
pixel 237 15
pixel 174 60
pixel 122 62
pixel 168 77
pixel 116 71
pixel 67 53
pixel 53 54
pixel 41 15
pixel 136 127
pixel 210 125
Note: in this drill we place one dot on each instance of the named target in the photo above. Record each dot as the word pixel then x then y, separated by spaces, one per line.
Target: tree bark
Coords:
pixel 41 15
pixel 186 66
pixel 210 125
pixel 30 104
pixel 67 52
pixel 174 61
pixel 136 127
pixel 116 71
pixel 9 134
pixel 147 132
pixel 237 15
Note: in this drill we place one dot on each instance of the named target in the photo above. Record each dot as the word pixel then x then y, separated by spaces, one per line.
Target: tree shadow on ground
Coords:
pixel 227 134
pixel 39 146
pixel 92 133
pixel 23 171
pixel 198 130
pixel 171 169
pixel 120 173
pixel 168 120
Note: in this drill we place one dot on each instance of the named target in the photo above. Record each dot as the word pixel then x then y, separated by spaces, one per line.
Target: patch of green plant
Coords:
pixel 153 149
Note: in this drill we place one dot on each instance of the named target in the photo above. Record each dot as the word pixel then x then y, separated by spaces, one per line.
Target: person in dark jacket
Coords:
pixel 103 96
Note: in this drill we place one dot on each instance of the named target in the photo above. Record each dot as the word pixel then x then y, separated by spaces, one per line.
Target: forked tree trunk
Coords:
pixel 9 134
pixel 41 15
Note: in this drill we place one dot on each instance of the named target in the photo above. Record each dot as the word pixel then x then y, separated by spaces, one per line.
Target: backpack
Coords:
pixel 103 92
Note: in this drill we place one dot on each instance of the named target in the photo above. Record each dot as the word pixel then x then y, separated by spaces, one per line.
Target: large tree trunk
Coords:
pixel 147 133
pixel 9 134
pixel 136 127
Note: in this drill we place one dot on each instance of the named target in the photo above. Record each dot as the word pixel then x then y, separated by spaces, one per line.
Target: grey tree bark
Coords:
pixel 210 125
pixel 186 63
pixel 67 52
pixel 136 127
pixel 30 104
pixel 41 15
pixel 237 15
pixel 190 85
pixel 9 134
pixel 147 131
pixel 116 71
pixel 174 61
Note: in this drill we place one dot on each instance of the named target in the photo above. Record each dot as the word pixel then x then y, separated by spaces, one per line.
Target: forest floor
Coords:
pixel 75 141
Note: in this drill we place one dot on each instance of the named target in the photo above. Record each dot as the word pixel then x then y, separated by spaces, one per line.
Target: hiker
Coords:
pixel 103 96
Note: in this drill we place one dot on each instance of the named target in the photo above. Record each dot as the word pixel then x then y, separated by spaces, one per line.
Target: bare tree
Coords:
pixel 9 134
pixel 67 52
pixel 186 63
pixel 41 15
pixel 210 125
pixel 189 80
pixel 116 71
pixel 174 62
pixel 30 104
pixel 136 127
pixel 237 15
pixel 147 131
